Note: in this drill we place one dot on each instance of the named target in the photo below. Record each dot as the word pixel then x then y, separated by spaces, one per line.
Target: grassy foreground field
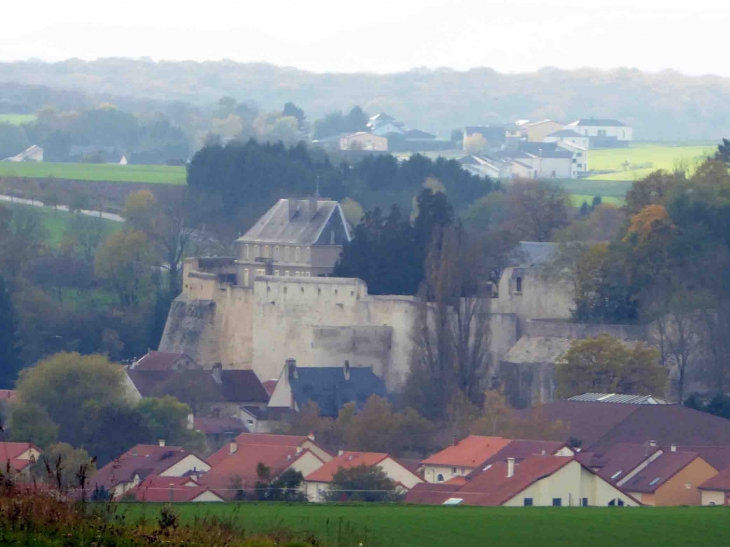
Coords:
pixel 421 526
pixel 660 157
pixel 17 119
pixel 160 174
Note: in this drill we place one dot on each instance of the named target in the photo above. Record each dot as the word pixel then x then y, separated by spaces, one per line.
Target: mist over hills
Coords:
pixel 666 106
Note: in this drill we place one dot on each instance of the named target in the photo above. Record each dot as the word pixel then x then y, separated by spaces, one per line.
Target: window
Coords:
pixel 306 274
pixel 575 160
pixel 527 502
pixel 616 475
pixel 266 252
pixel 557 502
pixel 286 254
pixel 580 166
pixel 579 154
pixel 286 273
pixel 296 255
pixel 453 470
pixel 276 252
pixel 245 251
pixel 652 483
pixel 553 174
pixel 584 502
pixel 276 273
pixel 601 132
pixel 307 254
pixel 260 271
pixel 255 251
pixel 518 284
pixel 440 478
pixel 245 276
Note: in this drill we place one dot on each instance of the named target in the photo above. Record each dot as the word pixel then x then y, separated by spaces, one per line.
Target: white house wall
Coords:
pixel 188 463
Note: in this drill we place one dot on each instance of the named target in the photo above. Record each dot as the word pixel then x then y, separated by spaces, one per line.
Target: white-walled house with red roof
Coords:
pixel 316 484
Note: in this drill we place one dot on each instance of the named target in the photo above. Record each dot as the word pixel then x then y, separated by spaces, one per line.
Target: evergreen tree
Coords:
pixel 723 152
pixel 9 356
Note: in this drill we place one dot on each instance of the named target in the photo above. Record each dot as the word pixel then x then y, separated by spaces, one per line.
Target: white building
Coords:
pixel 603 133
pixel 569 136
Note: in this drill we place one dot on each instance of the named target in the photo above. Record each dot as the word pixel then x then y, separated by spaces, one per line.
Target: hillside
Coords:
pixel 662 106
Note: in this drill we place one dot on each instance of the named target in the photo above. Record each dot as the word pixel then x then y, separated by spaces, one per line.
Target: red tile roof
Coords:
pixel 156 489
pixel 270 386
pixel 520 449
pixel 469 452
pixel 717 456
pixel 346 460
pixel 492 486
pixel 9 453
pixel 142 460
pixel 619 461
pixel 721 481
pixel 262 440
pixel 7 394
pixel 431 494
pixel 242 466
pixel 658 472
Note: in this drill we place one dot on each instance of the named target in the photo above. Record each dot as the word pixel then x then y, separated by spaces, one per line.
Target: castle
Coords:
pixel 271 303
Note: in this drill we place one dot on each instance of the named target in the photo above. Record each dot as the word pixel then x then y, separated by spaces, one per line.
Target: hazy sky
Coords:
pixel 378 35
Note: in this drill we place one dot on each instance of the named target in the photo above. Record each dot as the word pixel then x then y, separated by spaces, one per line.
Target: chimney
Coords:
pixel 291 367
pixel 217 368
pixel 233 447
pixel 340 452
pixel 673 448
pixel 312 208
pixel 299 449
pixel 652 444
pixel 191 421
pixel 510 468
pixel 292 208
pixel 347 370
pixel 162 442
pixel 311 437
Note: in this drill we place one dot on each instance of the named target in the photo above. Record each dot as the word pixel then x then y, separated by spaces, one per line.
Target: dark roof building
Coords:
pixel 598 425
pixel 329 387
pixel 599 122
pixel 210 386
pixel 619 398
pixel 165 360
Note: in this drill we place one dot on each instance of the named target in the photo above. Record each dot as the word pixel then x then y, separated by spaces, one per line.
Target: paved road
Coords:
pixel 107 216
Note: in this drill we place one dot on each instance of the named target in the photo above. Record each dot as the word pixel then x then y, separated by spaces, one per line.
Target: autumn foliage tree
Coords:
pixel 604 364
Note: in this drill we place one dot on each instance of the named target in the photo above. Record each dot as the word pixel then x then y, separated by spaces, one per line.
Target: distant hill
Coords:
pixel 661 106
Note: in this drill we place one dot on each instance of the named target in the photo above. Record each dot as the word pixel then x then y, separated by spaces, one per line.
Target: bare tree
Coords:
pixel 452 328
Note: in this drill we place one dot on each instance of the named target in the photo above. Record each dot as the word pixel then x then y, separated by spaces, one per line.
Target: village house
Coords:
pixel 165 360
pixel 234 467
pixel 144 460
pixel 569 136
pixel 716 490
pixel 329 387
pixel 219 431
pixel 364 141
pixel 603 133
pixel 487 166
pixel 18 457
pixel 317 483
pixel 156 489
pixel 537 131
pixel 671 479
pixel 538 481
pixel 295 238
pixel 218 392
pixel 495 136
pixel 461 459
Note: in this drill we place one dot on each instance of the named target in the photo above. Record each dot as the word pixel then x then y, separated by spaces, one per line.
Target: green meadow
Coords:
pixel 424 526
pixel 17 119
pixel 154 174
pixel 652 156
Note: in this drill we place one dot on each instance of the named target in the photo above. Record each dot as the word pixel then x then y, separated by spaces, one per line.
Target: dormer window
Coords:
pixel 245 251
pixel 518 284
pixel 296 255
pixel 266 251
pixel 255 251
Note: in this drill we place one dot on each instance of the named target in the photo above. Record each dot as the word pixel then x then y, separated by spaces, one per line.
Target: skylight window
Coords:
pixel 490 465
pixel 652 483
pixel 616 474
pixel 453 501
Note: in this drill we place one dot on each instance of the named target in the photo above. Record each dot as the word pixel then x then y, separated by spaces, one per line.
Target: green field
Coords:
pixel 17 119
pixel 422 526
pixel 660 157
pixel 57 223
pixel 158 174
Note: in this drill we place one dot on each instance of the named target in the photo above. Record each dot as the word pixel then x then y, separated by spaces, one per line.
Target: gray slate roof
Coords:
pixel 565 133
pixel 276 226
pixel 544 150
pixel 600 122
pixel 532 253
pixel 328 387
pixel 620 399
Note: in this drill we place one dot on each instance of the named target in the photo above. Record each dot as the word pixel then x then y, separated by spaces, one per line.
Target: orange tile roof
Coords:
pixel 468 452
pixel 346 460
pixel 458 481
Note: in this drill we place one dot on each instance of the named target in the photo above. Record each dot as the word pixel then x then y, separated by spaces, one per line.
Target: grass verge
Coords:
pixel 153 174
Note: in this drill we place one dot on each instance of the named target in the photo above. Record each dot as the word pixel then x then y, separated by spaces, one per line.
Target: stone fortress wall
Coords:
pixel 321 321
